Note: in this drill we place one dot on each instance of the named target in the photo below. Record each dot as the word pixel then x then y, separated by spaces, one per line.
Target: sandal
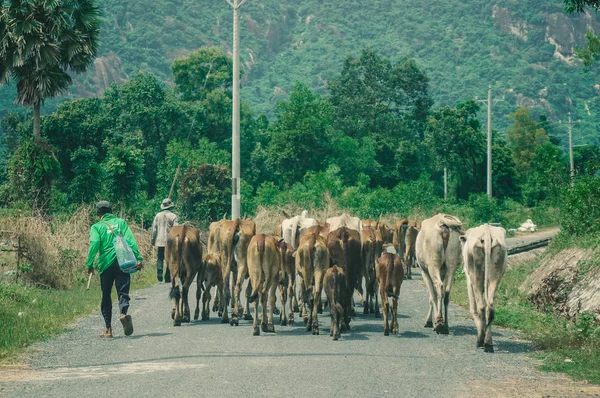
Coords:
pixel 127 324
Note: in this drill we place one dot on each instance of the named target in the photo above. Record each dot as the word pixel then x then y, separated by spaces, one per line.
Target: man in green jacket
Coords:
pixel 101 241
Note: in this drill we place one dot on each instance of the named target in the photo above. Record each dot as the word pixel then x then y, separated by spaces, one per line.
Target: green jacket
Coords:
pixel 101 240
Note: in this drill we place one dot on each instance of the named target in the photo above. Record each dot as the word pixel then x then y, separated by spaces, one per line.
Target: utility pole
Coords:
pixel 235 120
pixel 571 151
pixel 445 183
pixel 490 103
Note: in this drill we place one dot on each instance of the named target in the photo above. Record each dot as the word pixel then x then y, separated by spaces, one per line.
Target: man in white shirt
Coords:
pixel 160 230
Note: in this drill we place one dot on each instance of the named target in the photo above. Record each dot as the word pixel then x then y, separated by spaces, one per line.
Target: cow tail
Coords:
pixel 261 255
pixel 390 266
pixel 487 247
pixel 336 303
pixel 256 290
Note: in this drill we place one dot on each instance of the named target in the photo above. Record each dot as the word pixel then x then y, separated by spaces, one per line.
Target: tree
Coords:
pixel 300 135
pixel 456 142
pixel 591 52
pixel 201 72
pixel 386 102
pixel 205 193
pixel 41 43
pixel 524 136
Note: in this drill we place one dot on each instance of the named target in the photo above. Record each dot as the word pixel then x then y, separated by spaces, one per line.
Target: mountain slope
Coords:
pixel 523 48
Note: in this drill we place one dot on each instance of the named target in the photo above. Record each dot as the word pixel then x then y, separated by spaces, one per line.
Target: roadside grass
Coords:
pixel 31 314
pixel 563 346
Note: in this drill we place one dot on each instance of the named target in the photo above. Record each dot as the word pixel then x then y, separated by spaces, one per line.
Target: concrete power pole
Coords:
pixel 571 151
pixel 235 121
pixel 445 183
pixel 490 103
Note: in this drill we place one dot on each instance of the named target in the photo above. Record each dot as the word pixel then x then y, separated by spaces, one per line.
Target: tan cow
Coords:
pixel 438 253
pixel 334 283
pixel 400 236
pixel 312 260
pixel 410 241
pixel 484 256
pixel 390 274
pixel 234 239
pixel 287 285
pixel 183 256
pixel 321 229
pixel 264 267
pixel 213 277
pixel 371 250
pixel 291 229
pixel 345 250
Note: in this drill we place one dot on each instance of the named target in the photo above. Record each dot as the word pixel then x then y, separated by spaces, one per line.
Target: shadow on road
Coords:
pixel 139 336
pixel 413 335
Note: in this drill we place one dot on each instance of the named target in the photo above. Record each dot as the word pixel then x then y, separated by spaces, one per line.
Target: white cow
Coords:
pixel 291 228
pixel 438 255
pixel 527 226
pixel 345 221
pixel 484 255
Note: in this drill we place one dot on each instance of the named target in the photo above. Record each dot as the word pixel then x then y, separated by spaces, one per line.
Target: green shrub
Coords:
pixel 580 207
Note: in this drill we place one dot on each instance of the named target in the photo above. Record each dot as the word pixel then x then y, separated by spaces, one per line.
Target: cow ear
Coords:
pixel 463 240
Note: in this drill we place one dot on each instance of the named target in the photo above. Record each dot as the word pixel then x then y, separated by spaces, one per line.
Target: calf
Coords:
pixel 390 274
pixel 484 255
pixel 438 254
pixel 264 267
pixel 212 277
pixel 183 256
pixel 312 260
pixel 410 240
pixel 334 283
pixel 344 245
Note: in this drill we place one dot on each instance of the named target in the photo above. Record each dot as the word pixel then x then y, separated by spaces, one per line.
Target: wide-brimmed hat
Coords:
pixel 166 204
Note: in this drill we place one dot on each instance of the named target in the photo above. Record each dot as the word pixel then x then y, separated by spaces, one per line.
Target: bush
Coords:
pixel 580 207
pixel 205 193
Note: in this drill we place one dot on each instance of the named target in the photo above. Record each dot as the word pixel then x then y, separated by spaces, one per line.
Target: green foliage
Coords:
pixel 524 136
pixel 485 209
pixel 87 173
pixel 580 209
pixel 32 171
pixel 205 193
pixel 123 168
pixel 300 135
pixel 203 71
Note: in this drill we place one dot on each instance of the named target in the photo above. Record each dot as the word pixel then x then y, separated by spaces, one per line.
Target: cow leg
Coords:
pixel 473 306
pixel 272 300
pixel 431 290
pixel 377 314
pixel 239 281
pixel 226 296
pixel 216 306
pixel 395 327
pixel 255 327
pixel 385 308
pixel 488 346
pixel 186 304
pixel 247 316
pixel 438 301
pixel 198 296
pixel 206 304
pixel 234 279
pixel 283 297
pixel 263 303
pixel 176 294
pixel 291 294
pixel 295 304
pixel 363 301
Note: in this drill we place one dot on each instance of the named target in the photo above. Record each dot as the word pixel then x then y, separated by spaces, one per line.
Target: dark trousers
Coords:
pixel 114 276
pixel 160 260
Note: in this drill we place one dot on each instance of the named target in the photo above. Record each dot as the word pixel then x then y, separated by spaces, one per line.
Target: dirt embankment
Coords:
pixel 566 283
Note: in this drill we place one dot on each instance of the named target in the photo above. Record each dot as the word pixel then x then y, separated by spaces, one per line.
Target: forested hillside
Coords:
pixel 523 48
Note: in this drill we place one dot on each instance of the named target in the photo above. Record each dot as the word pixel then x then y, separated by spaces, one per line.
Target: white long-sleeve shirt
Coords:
pixel 161 226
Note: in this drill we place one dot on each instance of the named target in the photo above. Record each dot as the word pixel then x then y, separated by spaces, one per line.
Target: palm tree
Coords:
pixel 41 43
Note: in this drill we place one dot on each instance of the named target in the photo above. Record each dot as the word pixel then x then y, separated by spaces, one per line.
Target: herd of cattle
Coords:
pixel 335 256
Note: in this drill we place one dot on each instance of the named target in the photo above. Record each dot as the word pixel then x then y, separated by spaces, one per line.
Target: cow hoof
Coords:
pixel 276 311
pixel 409 277
pixel 248 317
pixel 480 344
pixel 224 320
pixel 283 322
pixel 234 321
pixel 336 337
pixel 488 348
pixel 315 331
pixel 428 324
pixel 264 327
pixel 256 331
pixel 377 315
pixel 331 333
pixel 240 312
pixel 366 310
pixel 173 314
pixel 270 328
pixel 205 317
pixel 177 322
pixel 395 331
pixel 296 308
pixel 215 309
pixel 186 319
pixel 291 322
pixel 320 309
pixel 196 315
pixel 220 314
pixel 305 320
pixel 386 332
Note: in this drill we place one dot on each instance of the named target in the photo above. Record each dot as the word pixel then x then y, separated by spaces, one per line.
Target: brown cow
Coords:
pixel 390 275
pixel 287 285
pixel 400 236
pixel 344 246
pixel 410 240
pixel 371 249
pixel 321 229
pixel 184 258
pixel 234 239
pixel 264 267
pixel 212 277
pixel 334 283
pixel 312 260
